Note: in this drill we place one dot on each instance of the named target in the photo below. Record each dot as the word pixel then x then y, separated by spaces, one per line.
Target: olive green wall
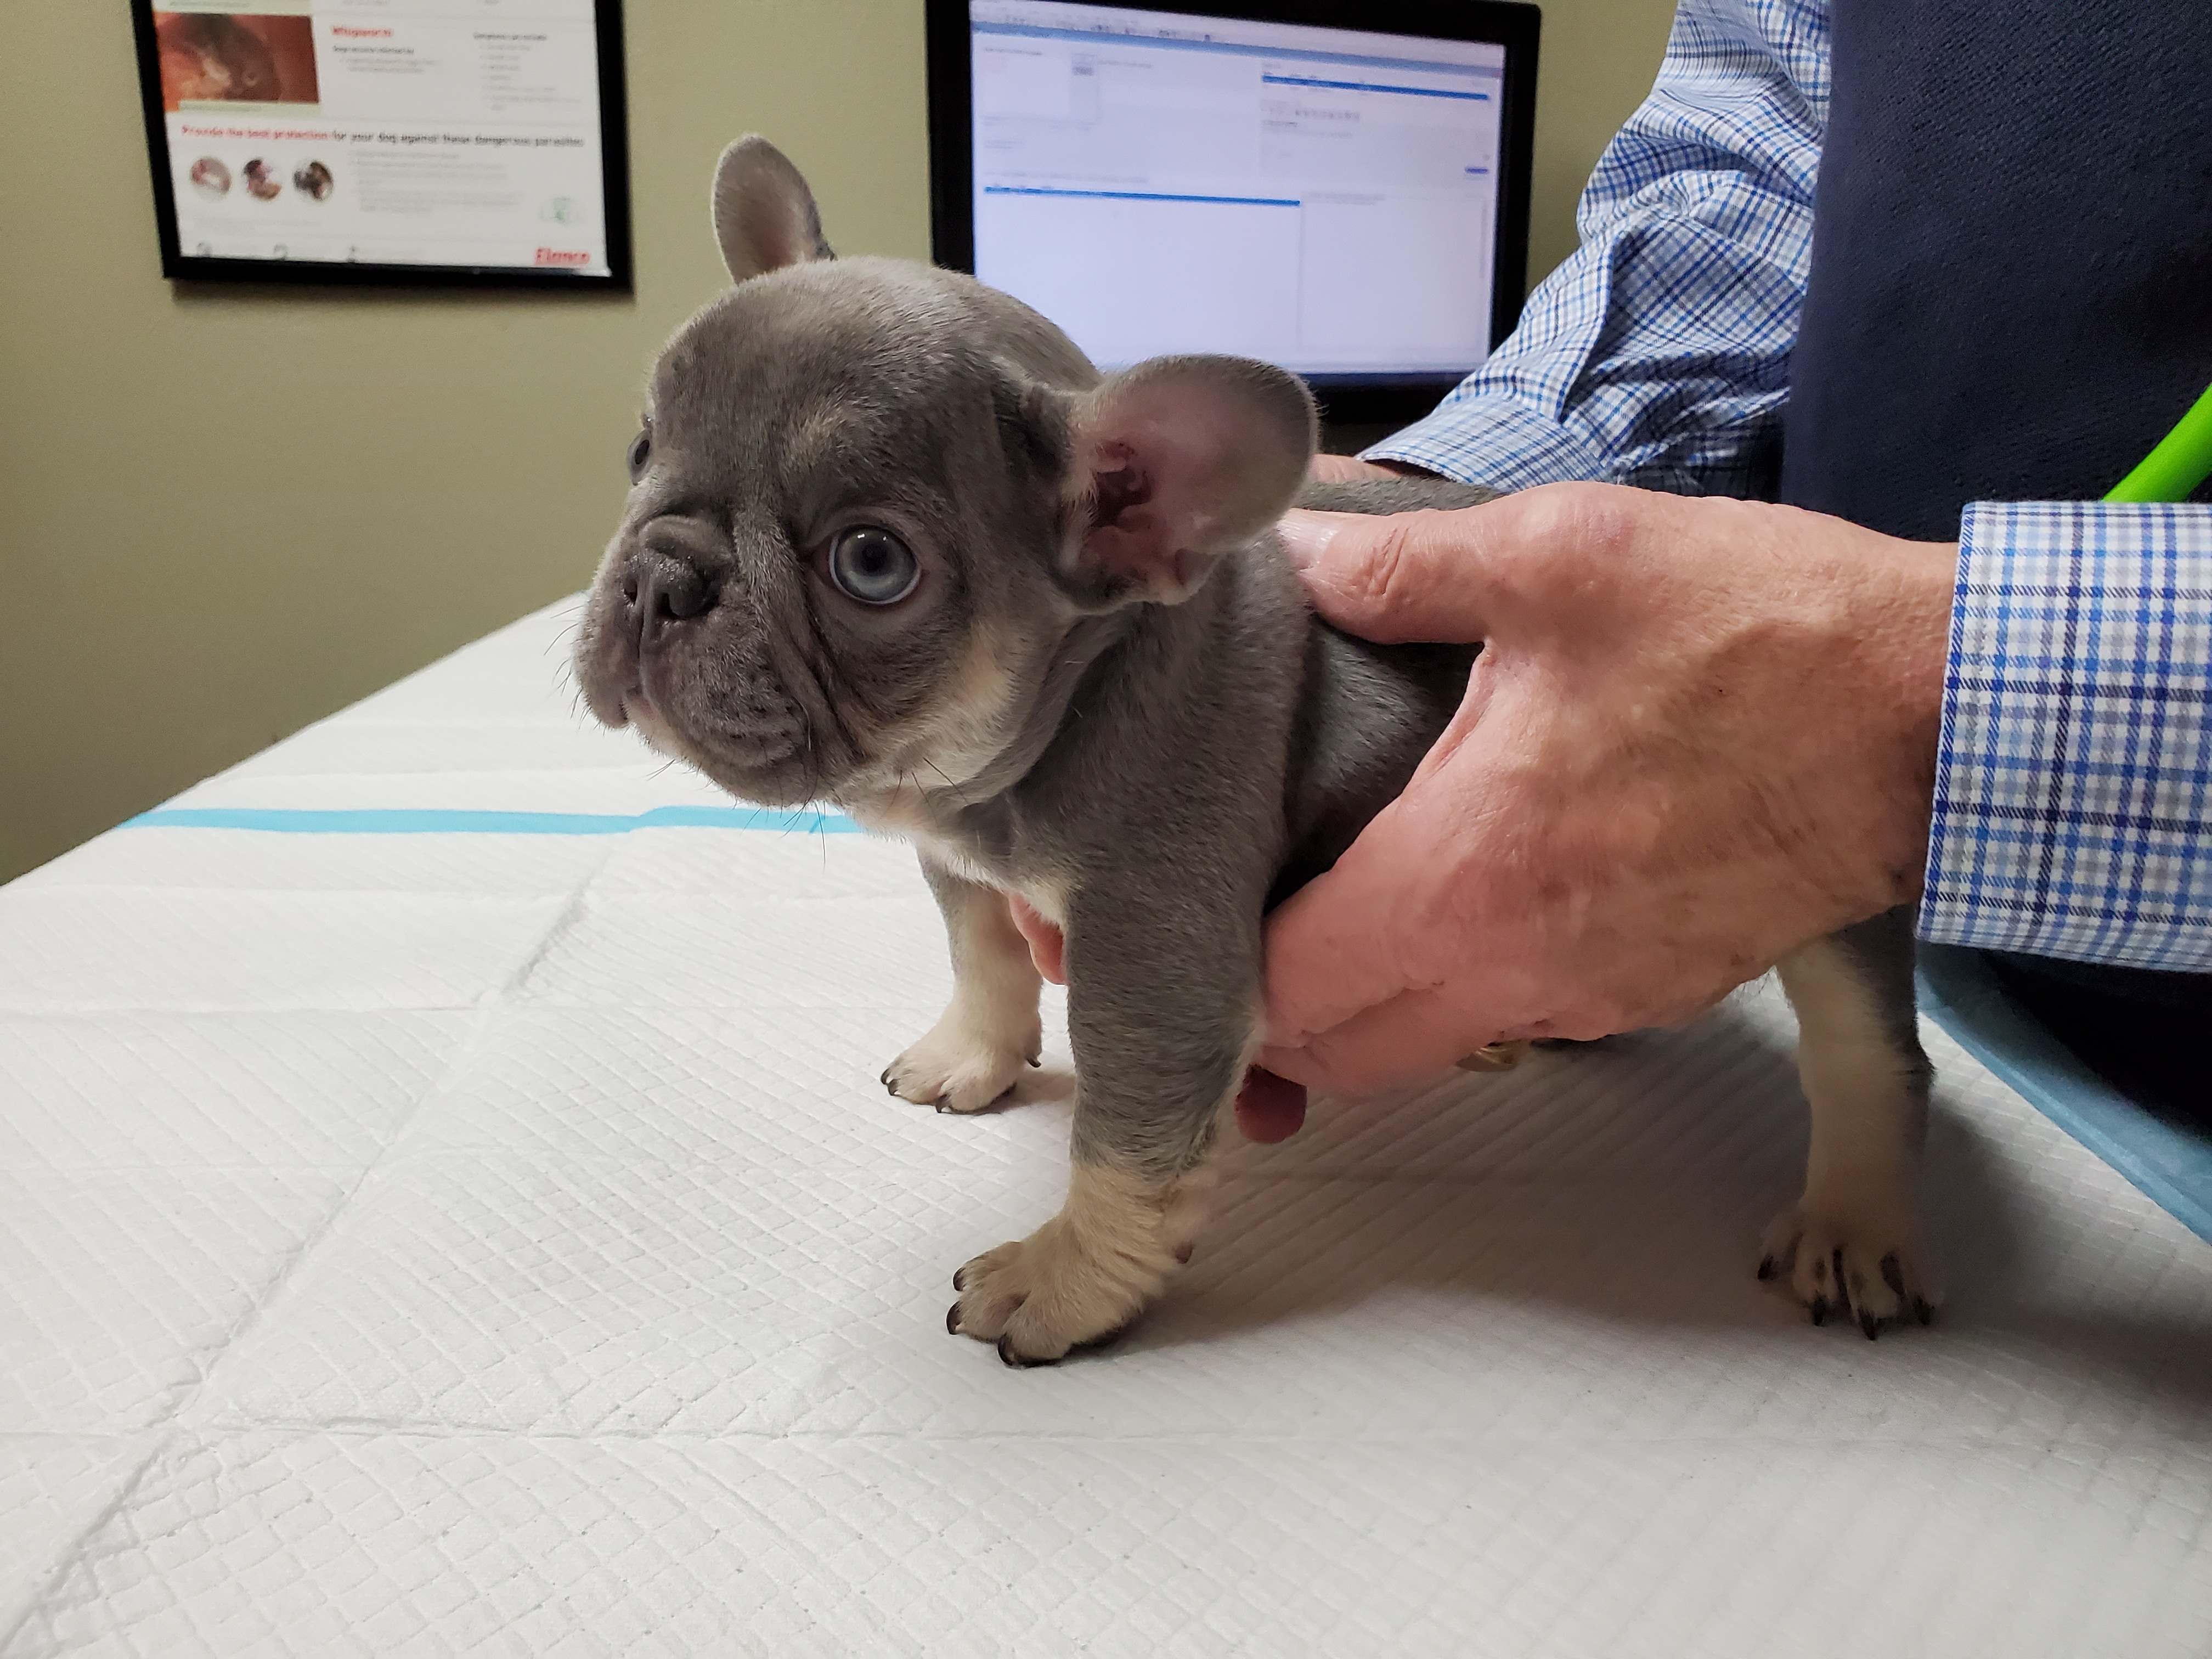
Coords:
pixel 225 515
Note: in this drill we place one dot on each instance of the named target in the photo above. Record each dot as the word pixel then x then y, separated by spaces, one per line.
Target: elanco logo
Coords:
pixel 562 256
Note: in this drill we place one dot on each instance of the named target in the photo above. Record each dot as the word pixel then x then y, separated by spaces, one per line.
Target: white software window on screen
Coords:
pixel 1326 199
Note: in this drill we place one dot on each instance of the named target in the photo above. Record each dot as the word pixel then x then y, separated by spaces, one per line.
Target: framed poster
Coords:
pixel 456 142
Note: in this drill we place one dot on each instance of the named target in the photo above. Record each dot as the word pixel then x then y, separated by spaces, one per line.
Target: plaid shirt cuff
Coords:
pixel 1492 441
pixel 2073 813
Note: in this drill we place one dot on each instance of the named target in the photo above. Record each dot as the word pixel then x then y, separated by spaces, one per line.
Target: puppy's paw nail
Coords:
pixel 953 1319
pixel 1036 1060
pixel 1766 1268
pixel 885 1078
pixel 1851 1262
pixel 944 1105
pixel 960 1279
pixel 1922 1311
pixel 1009 1356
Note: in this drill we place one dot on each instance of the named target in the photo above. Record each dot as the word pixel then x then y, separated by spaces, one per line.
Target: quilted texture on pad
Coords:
pixel 470 1544
pixel 72 950
pixel 446 1244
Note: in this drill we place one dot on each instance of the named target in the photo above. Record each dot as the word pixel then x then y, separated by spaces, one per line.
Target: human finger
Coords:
pixel 1420 1034
pixel 1396 911
pixel 1397 576
pixel 1346 469
pixel 1047 945
pixel 1269 1106
pixel 1335 947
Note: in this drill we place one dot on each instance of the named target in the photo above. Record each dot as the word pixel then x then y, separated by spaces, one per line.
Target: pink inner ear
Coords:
pixel 1118 482
pixel 1128 536
pixel 775 231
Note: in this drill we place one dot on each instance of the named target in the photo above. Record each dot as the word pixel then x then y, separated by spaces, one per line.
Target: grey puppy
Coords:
pixel 894 544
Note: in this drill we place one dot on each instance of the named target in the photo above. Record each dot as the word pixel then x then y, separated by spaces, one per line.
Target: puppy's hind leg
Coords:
pixel 1847 1247
pixel 990 1030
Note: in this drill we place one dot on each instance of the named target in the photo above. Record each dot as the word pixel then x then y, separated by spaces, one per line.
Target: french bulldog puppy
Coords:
pixel 893 543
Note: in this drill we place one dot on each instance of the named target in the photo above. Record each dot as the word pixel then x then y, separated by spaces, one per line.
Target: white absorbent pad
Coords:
pixel 450 1209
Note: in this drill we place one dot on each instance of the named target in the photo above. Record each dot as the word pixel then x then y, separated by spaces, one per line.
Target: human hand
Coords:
pixel 1701 732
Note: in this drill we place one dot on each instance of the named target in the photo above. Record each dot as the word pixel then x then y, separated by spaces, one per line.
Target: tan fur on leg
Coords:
pixel 989 1031
pixel 1083 1275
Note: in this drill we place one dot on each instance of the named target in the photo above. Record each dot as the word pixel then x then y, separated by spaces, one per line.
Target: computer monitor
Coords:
pixel 1350 202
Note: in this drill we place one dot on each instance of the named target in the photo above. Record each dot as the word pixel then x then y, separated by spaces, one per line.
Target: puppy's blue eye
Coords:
pixel 873 566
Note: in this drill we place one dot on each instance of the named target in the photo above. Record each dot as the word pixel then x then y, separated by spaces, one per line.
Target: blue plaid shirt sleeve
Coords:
pixel 2074 776
pixel 1658 353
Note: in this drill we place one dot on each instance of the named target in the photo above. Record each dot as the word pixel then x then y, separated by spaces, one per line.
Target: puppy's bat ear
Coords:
pixel 764 215
pixel 1174 463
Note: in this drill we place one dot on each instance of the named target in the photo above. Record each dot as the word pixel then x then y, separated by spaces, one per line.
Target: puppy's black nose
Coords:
pixel 661 592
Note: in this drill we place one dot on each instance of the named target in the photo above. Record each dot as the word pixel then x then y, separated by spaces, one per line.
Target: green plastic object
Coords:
pixel 2182 460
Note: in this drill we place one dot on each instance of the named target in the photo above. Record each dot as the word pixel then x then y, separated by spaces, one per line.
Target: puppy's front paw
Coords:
pixel 962 1067
pixel 1854 1261
pixel 1083 1277
pixel 1051 1293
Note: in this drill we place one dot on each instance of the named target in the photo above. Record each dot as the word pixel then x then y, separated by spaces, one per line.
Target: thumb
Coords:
pixel 1352 937
pixel 1398 576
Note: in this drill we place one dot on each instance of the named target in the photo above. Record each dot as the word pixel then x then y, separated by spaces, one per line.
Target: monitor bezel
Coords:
pixel 1346 399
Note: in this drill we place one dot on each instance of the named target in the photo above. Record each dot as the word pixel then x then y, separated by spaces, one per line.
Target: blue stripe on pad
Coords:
pixel 431 821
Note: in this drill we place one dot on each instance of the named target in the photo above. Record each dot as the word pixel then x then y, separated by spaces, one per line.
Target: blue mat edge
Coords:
pixel 2169 1166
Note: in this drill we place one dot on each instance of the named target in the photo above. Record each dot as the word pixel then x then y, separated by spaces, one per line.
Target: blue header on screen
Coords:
pixel 1176 44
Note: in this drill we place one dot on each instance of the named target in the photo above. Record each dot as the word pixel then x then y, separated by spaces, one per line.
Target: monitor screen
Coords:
pixel 1327 199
